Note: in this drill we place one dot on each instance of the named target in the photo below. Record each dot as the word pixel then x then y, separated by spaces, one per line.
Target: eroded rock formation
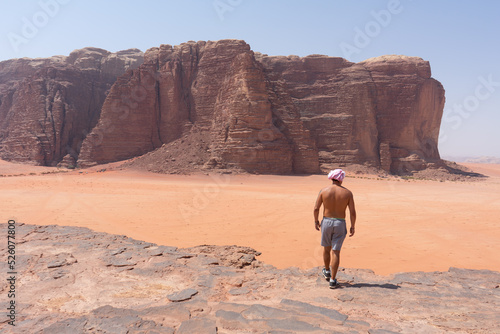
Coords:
pixel 259 113
pixel 48 106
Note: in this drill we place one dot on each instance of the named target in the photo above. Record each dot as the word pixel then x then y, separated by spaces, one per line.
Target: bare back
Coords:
pixel 335 200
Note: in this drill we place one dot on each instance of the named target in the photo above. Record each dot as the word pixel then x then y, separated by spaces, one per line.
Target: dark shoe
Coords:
pixel 326 274
pixel 334 284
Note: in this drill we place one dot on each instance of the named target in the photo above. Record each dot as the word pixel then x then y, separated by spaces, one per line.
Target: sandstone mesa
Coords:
pixel 257 113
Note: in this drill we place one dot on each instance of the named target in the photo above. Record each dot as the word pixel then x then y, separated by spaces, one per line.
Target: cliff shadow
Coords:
pixel 457 169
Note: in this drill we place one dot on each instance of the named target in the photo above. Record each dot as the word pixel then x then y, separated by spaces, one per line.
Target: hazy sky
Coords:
pixel 459 38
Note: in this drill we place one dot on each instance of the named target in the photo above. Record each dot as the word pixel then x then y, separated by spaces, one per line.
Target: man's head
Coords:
pixel 336 175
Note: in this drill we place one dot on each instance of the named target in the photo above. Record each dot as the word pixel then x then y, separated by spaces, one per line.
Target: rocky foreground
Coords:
pixel 75 280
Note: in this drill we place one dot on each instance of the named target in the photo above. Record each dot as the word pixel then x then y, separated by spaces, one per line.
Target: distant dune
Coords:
pixel 479 160
pixel 484 160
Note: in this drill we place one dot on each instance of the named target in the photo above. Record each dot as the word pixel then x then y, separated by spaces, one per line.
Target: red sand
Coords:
pixel 402 225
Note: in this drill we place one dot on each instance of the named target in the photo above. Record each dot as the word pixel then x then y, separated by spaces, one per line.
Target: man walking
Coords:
pixel 335 199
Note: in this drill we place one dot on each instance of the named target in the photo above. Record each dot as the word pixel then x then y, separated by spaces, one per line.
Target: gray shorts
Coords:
pixel 333 232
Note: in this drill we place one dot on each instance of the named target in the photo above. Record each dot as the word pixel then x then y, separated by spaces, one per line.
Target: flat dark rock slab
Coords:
pixel 62 259
pixel 206 281
pixel 182 295
pixel 258 311
pixel 118 251
pixel 174 311
pixel 239 291
pixel 155 252
pixel 381 331
pixel 198 326
pixel 232 320
pixel 308 308
pixel 413 278
pixel 345 298
pixel 116 262
pixel 71 325
pixel 291 325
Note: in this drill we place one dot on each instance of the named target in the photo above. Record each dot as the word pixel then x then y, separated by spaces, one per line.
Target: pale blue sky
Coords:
pixel 459 38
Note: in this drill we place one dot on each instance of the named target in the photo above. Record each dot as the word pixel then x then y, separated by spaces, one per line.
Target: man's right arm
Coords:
pixel 319 202
pixel 352 212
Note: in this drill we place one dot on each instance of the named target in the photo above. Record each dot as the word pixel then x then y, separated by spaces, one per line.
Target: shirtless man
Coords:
pixel 335 199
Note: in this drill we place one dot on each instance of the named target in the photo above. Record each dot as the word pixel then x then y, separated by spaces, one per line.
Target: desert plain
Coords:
pixel 403 225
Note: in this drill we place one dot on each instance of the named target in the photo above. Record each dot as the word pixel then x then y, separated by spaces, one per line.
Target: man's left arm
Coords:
pixel 352 212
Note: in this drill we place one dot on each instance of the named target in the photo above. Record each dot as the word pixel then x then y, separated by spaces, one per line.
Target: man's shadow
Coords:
pixel 369 285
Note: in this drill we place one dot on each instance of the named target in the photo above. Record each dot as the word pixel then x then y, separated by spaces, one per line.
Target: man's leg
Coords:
pixel 326 256
pixel 335 262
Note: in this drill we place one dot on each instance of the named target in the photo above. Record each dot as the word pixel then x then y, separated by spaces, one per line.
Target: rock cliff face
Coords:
pixel 258 113
pixel 409 110
pixel 220 88
pixel 48 106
